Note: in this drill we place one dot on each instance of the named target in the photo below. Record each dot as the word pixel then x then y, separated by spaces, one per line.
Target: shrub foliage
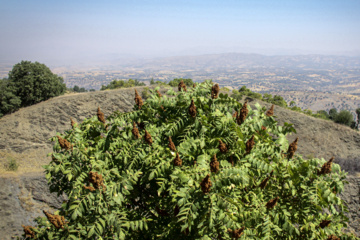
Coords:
pixel 34 82
pixel 182 167
pixel 27 84
pixel 122 84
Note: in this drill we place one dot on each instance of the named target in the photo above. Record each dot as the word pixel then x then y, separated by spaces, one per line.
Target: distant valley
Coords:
pixel 313 81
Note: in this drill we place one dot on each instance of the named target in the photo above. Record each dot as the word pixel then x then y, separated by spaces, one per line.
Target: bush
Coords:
pixel 333 113
pixel 322 114
pixel 236 95
pixel 115 84
pixel 183 168
pixel 188 82
pixel 76 88
pixel 225 89
pixel 145 93
pixel 12 165
pixel 344 117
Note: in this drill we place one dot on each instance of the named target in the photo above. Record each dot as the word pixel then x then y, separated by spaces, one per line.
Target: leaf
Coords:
pixel 152 175
pixel 102 222
pixel 283 142
pixel 91 232
pixel 326 193
pixel 69 176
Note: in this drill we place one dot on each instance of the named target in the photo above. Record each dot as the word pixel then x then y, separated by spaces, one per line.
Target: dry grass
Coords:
pixel 26 200
pixel 28 161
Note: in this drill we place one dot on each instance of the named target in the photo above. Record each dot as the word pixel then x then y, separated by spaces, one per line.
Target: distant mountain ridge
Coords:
pixel 243 60
pixel 219 60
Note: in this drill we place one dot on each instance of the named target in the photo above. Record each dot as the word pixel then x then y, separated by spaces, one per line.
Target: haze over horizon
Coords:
pixel 66 32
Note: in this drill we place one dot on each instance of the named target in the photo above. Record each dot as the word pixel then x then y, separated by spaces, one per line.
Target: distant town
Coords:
pixel 314 82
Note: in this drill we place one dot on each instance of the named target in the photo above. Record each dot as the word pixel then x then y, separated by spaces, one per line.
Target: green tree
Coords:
pixel 76 88
pixel 295 108
pixel 183 168
pixel 323 114
pixel 9 102
pixel 243 90
pixel 34 82
pixel 280 101
pixel 152 82
pixel 236 95
pixel 122 84
pixel 292 104
pixel 333 113
pixel 308 112
pixel 188 82
pixel 344 117
pixel 255 95
pixel 225 89
pixel 160 83
pixel 267 97
pixel 358 117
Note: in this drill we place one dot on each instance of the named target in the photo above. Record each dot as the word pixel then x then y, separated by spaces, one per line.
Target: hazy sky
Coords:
pixel 49 30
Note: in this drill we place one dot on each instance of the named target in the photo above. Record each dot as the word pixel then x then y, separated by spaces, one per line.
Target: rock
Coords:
pixel 22 199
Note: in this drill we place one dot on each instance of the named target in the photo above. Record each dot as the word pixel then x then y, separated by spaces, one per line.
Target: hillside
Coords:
pixel 25 133
pixel 316 101
pixel 25 137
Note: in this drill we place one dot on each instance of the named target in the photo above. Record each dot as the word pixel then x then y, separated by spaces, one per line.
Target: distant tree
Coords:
pixel 280 101
pixel 161 83
pixel 92 90
pixel 333 113
pixel 34 82
pixel 9 102
pixel 76 88
pixel 267 97
pixel 344 117
pixel 295 108
pixel 188 82
pixel 308 111
pixel 292 104
pixel 255 95
pixel 152 82
pixel 244 90
pixel 358 117
pixel 122 84
pixel 236 95
pixel 225 89
pixel 322 114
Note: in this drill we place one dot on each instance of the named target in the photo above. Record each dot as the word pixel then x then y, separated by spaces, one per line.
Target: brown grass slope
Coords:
pixel 24 136
pixel 320 138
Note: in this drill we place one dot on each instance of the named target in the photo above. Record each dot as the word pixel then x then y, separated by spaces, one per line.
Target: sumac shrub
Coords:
pixel 183 184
